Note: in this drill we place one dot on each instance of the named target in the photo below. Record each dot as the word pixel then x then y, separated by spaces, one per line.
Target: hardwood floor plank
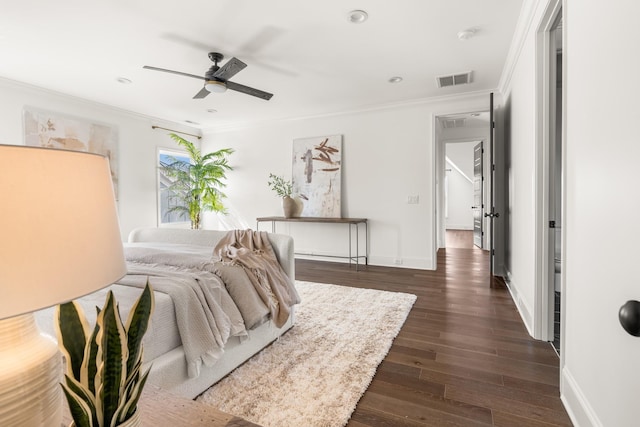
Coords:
pixel 419 414
pixel 463 356
pixel 503 419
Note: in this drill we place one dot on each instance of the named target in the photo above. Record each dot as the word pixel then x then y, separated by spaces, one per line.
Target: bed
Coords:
pixel 178 259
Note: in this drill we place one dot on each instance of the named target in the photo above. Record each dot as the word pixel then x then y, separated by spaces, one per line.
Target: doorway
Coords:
pixel 457 137
pixel 556 177
pixel 550 171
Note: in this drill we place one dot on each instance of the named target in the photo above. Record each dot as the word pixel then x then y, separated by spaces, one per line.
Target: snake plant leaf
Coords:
pixel 80 411
pixel 81 392
pixel 137 324
pixel 112 343
pixel 135 395
pixel 72 329
pixel 89 368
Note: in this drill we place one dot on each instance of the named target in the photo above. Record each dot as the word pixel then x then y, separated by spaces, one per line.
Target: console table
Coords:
pixel 353 224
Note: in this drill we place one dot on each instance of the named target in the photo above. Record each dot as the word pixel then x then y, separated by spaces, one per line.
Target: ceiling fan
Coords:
pixel 216 79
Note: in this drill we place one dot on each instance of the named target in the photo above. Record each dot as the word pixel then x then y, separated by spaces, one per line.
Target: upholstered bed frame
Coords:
pixel 169 370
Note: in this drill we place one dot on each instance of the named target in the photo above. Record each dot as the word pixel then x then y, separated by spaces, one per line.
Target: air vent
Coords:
pixel 454 80
pixel 453 123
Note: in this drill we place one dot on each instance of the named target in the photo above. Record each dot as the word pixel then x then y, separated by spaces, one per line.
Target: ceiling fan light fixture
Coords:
pixel 215 86
pixel 357 16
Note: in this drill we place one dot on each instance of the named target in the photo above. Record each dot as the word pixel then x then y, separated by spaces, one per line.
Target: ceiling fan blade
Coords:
pixel 203 92
pixel 180 73
pixel 230 69
pixel 249 90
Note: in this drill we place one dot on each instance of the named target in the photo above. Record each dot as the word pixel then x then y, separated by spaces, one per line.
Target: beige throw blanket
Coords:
pixel 252 250
pixel 205 313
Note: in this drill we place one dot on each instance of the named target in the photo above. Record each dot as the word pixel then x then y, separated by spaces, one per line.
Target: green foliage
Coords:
pixel 281 186
pixel 197 186
pixel 103 381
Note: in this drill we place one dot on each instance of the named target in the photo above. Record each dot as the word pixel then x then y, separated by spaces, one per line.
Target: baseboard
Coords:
pixel 525 312
pixel 417 263
pixel 576 404
pixel 458 227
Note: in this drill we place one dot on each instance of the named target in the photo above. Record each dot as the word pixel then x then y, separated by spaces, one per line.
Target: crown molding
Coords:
pixel 525 20
pixel 21 86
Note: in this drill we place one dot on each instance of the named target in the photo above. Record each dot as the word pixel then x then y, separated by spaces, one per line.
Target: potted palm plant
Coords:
pixel 104 377
pixel 284 189
pixel 197 186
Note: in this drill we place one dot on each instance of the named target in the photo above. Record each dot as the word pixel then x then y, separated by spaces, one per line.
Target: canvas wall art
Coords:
pixel 53 130
pixel 316 175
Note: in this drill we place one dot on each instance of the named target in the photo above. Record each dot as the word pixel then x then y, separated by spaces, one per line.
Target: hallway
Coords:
pixel 463 357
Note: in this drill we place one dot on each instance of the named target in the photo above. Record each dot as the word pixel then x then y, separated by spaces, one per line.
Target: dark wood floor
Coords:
pixel 463 357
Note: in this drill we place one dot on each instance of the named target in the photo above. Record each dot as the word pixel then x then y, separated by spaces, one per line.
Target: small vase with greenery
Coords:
pixel 104 377
pixel 197 186
pixel 284 189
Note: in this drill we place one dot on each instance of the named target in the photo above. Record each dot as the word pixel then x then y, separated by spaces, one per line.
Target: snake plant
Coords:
pixel 103 379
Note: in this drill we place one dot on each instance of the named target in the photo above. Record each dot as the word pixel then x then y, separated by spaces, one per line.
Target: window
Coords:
pixel 170 198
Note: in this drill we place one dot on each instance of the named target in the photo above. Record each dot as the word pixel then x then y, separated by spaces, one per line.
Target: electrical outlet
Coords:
pixel 397 261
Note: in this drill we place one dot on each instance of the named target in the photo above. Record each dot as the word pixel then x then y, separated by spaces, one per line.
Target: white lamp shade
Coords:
pixel 60 236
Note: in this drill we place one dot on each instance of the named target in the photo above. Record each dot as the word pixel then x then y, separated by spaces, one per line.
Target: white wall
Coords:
pixel 460 189
pixel 137 144
pixel 519 112
pixel 599 376
pixel 387 156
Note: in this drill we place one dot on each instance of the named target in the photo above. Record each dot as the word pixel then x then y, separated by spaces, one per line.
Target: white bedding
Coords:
pixel 162 335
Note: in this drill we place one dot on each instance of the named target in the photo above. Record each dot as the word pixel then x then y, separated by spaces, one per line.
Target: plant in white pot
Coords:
pixel 284 189
pixel 104 377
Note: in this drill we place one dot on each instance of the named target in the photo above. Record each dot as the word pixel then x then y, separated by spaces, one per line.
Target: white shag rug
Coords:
pixel 314 375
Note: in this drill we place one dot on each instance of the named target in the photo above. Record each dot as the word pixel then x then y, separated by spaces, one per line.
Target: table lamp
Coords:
pixel 60 240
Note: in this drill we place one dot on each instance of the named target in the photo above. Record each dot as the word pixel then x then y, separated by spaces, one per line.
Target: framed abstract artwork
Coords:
pixel 316 175
pixel 53 130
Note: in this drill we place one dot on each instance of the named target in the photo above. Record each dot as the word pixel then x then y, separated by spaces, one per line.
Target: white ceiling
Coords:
pixel 304 52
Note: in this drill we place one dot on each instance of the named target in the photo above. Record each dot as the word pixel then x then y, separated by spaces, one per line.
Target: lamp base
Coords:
pixel 30 373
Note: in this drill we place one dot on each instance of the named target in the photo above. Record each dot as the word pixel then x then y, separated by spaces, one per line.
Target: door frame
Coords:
pixel 438 169
pixel 545 124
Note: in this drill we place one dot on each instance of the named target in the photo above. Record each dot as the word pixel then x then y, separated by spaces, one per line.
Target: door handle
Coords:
pixel 492 215
pixel 629 316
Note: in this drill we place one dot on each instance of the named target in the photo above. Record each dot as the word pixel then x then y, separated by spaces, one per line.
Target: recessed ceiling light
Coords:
pixel 357 16
pixel 124 80
pixel 466 34
pixel 211 110
pixel 396 79
pixel 191 122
